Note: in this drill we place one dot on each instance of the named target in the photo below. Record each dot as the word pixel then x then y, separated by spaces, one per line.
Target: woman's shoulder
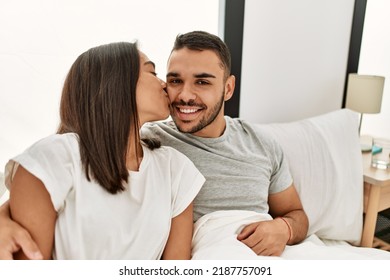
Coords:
pixel 56 144
pixel 58 139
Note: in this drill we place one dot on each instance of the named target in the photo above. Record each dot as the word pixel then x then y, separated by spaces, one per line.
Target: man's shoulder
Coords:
pixel 158 124
pixel 251 129
pixel 238 124
pixel 161 126
pixel 167 152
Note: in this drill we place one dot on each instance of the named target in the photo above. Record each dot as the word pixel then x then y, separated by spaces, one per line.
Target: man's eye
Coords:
pixel 175 81
pixel 202 82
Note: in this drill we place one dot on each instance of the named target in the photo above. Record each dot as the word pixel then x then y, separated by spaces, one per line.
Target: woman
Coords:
pixel 95 190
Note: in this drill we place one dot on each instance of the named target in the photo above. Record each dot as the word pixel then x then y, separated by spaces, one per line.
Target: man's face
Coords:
pixel 196 88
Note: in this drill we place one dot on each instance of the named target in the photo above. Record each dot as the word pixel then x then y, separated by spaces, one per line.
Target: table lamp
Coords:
pixel 364 95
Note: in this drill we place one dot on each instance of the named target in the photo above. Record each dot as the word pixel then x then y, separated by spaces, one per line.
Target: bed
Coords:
pixel 326 164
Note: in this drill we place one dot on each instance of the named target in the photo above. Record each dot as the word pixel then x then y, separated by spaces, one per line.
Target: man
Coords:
pixel 244 169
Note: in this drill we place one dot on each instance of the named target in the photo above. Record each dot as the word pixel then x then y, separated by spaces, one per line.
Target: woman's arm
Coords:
pixel 31 207
pixel 14 238
pixel 178 246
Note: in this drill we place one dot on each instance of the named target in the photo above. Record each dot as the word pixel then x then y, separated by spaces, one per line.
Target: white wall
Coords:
pixel 375 60
pixel 40 40
pixel 294 58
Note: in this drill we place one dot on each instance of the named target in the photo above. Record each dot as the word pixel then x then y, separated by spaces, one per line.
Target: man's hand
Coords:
pixel 267 238
pixel 14 238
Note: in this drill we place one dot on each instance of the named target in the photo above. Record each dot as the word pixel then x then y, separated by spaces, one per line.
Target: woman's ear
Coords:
pixel 229 87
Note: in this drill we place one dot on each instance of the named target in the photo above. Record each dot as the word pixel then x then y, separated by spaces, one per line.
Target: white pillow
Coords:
pixel 326 164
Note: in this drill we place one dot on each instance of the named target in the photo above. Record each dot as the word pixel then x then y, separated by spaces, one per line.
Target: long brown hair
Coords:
pixel 98 103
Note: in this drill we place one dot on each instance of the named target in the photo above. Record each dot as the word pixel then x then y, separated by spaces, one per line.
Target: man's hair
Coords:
pixel 98 103
pixel 201 40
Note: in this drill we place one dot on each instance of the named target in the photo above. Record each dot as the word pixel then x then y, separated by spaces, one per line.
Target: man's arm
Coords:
pixel 269 238
pixel 287 204
pixel 14 238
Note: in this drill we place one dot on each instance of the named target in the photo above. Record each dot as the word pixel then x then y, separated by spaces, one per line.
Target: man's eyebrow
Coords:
pixel 172 74
pixel 200 75
pixel 204 75
pixel 150 62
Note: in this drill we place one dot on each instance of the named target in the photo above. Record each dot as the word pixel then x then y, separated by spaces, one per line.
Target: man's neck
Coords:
pixel 213 130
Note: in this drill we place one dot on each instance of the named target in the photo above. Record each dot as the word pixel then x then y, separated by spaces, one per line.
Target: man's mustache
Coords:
pixel 189 103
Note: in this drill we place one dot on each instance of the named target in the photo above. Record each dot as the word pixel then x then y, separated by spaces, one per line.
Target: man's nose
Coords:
pixel 187 93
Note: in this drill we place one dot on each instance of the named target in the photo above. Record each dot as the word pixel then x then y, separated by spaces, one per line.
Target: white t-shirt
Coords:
pixel 94 224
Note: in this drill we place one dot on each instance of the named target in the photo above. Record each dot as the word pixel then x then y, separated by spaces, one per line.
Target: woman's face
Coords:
pixel 152 99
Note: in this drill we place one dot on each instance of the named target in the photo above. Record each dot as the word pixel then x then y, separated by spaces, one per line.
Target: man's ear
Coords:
pixel 229 87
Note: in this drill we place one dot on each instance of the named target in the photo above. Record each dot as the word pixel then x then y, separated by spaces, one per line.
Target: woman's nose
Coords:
pixel 163 83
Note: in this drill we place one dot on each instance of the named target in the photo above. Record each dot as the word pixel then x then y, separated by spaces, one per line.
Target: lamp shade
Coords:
pixel 364 93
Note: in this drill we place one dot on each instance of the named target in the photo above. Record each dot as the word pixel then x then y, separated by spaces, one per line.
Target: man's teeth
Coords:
pixel 188 111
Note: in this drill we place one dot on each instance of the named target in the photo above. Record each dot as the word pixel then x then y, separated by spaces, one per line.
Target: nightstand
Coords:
pixel 376 199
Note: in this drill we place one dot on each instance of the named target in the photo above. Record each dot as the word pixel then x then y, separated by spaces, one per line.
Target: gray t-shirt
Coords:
pixel 242 167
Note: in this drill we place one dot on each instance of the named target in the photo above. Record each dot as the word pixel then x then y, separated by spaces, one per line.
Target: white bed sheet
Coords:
pixel 215 238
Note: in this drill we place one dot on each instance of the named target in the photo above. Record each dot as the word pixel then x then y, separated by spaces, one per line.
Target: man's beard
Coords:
pixel 206 120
